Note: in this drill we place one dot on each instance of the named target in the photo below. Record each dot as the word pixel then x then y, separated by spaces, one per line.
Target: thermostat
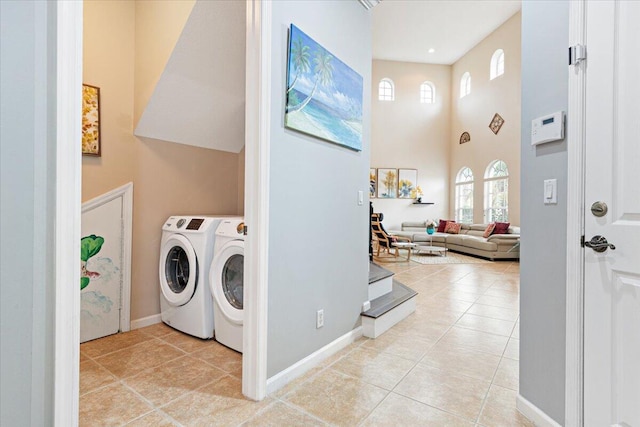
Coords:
pixel 547 128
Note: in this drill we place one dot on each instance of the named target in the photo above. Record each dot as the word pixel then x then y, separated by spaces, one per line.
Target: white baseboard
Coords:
pixel 373 328
pixel 296 370
pixel 534 414
pixel 146 321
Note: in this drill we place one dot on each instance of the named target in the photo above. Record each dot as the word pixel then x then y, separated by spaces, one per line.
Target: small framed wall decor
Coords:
pixel 90 120
pixel 465 137
pixel 407 181
pixel 387 183
pixel 496 123
pixel 373 182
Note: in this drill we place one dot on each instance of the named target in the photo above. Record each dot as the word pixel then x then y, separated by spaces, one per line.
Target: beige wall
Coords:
pixel 474 112
pixel 169 179
pixel 408 134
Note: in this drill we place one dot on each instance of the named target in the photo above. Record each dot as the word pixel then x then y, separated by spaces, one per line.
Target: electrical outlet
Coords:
pixel 319 319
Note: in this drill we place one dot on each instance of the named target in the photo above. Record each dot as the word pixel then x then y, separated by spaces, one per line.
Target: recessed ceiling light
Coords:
pixel 431 50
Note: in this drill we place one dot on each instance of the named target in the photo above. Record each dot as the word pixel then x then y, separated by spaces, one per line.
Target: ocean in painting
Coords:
pixel 324 95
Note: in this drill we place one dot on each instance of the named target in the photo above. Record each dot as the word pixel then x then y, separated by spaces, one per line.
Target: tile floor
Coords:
pixel 454 362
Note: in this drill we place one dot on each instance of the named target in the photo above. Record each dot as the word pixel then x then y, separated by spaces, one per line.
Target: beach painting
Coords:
pixel 324 95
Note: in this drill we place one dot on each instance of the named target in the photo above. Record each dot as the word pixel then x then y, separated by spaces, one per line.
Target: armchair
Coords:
pixel 385 242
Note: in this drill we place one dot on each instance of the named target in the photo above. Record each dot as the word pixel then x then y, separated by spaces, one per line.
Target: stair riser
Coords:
pixel 381 287
pixel 373 328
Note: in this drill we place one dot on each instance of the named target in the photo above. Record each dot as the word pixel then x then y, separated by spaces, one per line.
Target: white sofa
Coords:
pixel 468 241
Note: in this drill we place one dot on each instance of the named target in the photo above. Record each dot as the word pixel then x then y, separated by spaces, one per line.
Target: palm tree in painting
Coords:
pixel 324 76
pixel 300 57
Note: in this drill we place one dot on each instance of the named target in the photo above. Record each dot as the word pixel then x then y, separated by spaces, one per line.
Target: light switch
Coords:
pixel 550 191
pixel 360 197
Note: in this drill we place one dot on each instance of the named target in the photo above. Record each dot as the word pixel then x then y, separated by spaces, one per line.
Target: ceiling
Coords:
pixel 404 30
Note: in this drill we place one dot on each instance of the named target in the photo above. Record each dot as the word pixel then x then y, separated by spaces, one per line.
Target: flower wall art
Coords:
pixel 387 183
pixel 90 120
pixel 407 179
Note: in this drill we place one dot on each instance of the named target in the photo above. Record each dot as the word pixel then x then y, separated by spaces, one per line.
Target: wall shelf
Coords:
pixel 423 203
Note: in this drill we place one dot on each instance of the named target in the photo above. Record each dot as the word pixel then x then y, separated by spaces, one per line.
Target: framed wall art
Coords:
pixel 90 120
pixel 387 183
pixel 373 182
pixel 465 137
pixel 407 183
pixel 496 123
pixel 324 95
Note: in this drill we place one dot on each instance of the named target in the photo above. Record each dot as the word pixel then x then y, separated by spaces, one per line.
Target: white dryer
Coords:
pixel 227 282
pixel 186 252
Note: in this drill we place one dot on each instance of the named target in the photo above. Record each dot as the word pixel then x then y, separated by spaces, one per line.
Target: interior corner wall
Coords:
pixel 318 235
pixel 159 24
pixel 169 179
pixel 409 134
pixel 543 254
pixel 474 112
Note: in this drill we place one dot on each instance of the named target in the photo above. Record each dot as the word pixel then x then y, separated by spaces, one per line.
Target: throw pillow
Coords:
pixel 501 228
pixel 489 230
pixel 452 228
pixel 443 224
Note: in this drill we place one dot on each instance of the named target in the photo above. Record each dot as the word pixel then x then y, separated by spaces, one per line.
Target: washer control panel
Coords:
pixel 185 223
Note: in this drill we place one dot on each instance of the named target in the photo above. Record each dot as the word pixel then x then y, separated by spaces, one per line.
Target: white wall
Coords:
pixel 474 112
pixel 318 235
pixel 27 160
pixel 409 135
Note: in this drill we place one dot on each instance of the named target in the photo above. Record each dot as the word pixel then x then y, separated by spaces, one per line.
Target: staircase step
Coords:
pixel 378 273
pixel 399 294
pixel 387 310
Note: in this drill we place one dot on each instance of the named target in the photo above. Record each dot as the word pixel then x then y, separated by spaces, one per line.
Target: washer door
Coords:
pixel 227 280
pixel 178 270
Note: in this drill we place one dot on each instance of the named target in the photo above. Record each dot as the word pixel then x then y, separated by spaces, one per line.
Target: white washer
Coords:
pixel 227 282
pixel 186 251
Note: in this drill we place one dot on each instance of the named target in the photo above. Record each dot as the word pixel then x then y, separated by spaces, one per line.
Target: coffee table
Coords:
pixel 429 248
pixel 434 250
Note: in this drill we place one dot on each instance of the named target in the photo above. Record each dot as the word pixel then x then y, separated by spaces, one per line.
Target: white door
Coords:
pixel 612 277
pixel 101 256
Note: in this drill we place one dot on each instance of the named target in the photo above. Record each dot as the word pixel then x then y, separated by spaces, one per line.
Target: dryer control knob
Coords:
pixel 240 228
pixel 181 222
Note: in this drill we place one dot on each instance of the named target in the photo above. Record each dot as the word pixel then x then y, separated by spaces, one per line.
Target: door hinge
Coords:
pixel 577 53
pixel 582 240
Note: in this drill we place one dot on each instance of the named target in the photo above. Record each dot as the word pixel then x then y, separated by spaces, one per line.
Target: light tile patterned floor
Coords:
pixel 453 362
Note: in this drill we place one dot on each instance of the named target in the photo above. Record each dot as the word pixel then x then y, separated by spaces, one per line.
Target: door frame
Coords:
pixel 256 197
pixel 68 187
pixel 69 33
pixel 574 356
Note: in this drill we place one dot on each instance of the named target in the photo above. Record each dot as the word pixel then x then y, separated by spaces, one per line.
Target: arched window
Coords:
pixel 427 93
pixel 464 196
pixel 496 192
pixel 386 90
pixel 497 64
pixel 465 85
